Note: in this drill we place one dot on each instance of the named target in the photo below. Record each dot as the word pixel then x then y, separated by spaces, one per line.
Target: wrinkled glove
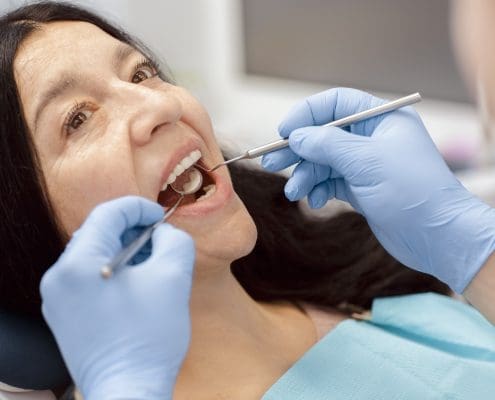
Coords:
pixel 390 171
pixel 124 337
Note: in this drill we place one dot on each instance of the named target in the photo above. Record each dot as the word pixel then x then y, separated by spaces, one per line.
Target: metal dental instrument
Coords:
pixel 351 119
pixel 130 251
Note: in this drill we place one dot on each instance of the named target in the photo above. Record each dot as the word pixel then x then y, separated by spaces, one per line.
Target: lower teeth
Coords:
pixel 209 190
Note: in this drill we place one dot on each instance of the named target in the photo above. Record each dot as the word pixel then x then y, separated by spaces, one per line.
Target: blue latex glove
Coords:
pixel 390 171
pixel 123 337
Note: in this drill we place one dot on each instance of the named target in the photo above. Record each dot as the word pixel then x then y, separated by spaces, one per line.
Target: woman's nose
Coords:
pixel 145 109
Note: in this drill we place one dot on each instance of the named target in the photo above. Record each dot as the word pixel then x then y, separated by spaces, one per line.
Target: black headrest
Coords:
pixel 29 356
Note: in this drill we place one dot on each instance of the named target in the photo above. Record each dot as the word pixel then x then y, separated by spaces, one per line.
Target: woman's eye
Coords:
pixel 143 70
pixel 76 118
pixel 142 75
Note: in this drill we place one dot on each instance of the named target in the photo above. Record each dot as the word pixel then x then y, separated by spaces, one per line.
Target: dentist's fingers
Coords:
pixel 101 234
pixel 332 188
pixel 108 221
pixel 344 152
pixel 304 178
pixel 331 105
pixel 173 251
pixel 279 160
pixel 321 193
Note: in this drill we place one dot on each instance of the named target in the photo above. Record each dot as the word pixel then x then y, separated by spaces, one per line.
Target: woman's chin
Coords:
pixel 221 236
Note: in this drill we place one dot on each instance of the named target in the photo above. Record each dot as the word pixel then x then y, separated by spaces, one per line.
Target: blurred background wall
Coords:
pixel 249 61
pixel 398 46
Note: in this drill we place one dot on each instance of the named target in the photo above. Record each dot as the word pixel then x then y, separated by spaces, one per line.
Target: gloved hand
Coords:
pixel 124 337
pixel 390 171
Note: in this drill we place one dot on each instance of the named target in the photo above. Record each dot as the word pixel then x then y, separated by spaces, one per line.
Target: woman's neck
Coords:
pixel 238 341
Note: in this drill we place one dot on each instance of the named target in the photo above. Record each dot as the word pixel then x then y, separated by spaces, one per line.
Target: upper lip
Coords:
pixel 176 158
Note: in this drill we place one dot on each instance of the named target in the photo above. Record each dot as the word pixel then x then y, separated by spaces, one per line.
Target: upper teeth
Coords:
pixel 184 164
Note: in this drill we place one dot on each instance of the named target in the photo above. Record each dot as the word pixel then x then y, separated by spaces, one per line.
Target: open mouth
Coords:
pixel 168 196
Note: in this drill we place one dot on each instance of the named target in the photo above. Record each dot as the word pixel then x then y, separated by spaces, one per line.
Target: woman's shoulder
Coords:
pixel 324 318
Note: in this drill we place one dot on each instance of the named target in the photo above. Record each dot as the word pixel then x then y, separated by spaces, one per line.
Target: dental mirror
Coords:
pixel 189 182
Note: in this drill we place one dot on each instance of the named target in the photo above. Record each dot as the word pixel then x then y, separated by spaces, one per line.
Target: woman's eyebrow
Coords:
pixel 122 52
pixel 65 82
pixel 68 80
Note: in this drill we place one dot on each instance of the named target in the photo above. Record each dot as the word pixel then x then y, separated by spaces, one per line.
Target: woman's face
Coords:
pixel 105 125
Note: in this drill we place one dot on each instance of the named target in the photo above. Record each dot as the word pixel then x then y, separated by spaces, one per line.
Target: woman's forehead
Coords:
pixel 63 42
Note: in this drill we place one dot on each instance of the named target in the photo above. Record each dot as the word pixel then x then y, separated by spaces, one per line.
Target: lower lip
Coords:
pixel 214 202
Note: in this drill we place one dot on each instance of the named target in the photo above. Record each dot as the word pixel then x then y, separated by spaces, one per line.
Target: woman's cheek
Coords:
pixel 79 189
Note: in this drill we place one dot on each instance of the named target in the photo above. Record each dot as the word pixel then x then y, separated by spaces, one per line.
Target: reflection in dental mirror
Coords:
pixel 188 182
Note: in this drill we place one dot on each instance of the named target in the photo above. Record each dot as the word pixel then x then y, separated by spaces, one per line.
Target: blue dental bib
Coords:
pixel 416 347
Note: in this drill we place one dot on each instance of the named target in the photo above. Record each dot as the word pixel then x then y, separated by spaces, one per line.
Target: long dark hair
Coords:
pixel 324 262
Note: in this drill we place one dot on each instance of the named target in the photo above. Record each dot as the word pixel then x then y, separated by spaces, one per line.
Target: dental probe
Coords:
pixel 130 251
pixel 351 119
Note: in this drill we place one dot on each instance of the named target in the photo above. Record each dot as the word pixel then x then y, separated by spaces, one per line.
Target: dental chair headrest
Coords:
pixel 29 356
